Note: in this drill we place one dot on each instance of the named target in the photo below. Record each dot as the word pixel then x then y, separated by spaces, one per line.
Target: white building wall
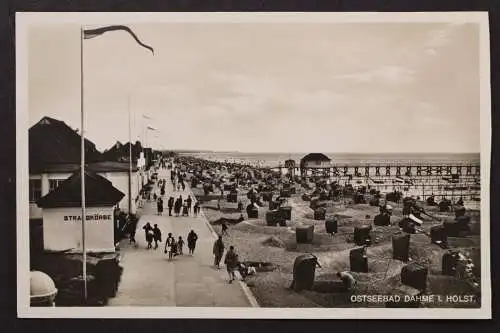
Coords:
pixel 35 211
pixel 60 233
pixel 118 179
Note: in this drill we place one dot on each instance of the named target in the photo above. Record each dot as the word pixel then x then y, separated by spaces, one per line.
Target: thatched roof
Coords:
pixel 52 141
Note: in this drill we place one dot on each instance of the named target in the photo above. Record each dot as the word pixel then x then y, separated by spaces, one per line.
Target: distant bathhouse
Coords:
pixel 314 161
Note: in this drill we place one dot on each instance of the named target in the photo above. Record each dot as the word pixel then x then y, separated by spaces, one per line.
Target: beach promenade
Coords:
pixel 149 279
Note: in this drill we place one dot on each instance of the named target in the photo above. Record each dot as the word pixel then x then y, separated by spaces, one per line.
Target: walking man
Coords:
pixel 160 206
pixel 192 238
pixel 231 262
pixel 176 207
pixel 149 234
pixel 133 226
pixel 170 205
pixel 218 251
pixel 156 235
pixel 189 201
pixel 196 209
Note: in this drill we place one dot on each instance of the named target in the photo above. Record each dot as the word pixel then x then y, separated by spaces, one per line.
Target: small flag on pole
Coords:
pixel 92 33
pixel 151 128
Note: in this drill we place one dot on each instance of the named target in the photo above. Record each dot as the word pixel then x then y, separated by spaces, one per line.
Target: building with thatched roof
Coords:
pixel 55 154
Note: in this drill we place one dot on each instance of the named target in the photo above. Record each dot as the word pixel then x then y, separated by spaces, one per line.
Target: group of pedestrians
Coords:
pixel 177 178
pixel 152 234
pixel 231 260
pixel 181 206
pixel 173 247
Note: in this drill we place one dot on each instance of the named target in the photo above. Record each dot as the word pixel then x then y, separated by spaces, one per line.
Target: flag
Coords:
pixel 92 33
pixel 151 128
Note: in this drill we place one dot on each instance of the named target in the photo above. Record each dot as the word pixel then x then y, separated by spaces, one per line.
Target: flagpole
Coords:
pixel 82 169
pixel 129 158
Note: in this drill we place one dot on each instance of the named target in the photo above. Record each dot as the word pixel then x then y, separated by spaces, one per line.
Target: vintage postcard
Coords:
pixel 253 165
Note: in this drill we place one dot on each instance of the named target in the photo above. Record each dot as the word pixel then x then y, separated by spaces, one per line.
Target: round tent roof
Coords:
pixel 315 157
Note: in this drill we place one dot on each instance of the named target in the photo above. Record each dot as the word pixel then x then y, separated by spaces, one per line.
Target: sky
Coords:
pixel 266 87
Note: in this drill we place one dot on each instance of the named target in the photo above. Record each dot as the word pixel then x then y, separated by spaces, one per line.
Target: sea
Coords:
pixel 341 159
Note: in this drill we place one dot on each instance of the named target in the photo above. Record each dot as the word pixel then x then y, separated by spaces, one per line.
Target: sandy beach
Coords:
pixel 257 242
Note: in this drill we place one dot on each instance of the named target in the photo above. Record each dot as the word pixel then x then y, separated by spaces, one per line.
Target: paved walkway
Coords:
pixel 149 279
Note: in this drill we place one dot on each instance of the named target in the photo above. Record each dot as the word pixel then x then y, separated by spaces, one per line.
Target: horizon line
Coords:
pixel 302 152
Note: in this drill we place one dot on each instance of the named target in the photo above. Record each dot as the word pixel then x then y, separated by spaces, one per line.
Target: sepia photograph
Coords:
pixel 230 165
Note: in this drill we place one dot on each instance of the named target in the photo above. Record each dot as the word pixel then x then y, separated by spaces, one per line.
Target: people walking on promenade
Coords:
pixel 172 177
pixel 156 235
pixel 185 211
pixel 169 246
pixel 149 234
pixel 218 251
pixel 180 245
pixel 224 228
pixel 231 262
pixel 178 206
pixel 160 206
pixel 133 226
pixel 170 205
pixel 191 239
pixel 196 209
pixel 189 201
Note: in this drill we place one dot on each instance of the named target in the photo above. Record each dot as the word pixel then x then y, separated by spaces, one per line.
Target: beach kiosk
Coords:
pixel 62 214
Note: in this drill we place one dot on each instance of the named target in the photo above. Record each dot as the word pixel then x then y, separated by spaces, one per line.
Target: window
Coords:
pixel 54 183
pixel 35 189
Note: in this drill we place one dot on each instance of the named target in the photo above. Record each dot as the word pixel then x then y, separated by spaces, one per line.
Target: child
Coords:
pixel 180 244
pixel 169 246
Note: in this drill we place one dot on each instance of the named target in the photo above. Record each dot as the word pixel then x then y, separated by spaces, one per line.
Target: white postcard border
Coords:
pixel 25 19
